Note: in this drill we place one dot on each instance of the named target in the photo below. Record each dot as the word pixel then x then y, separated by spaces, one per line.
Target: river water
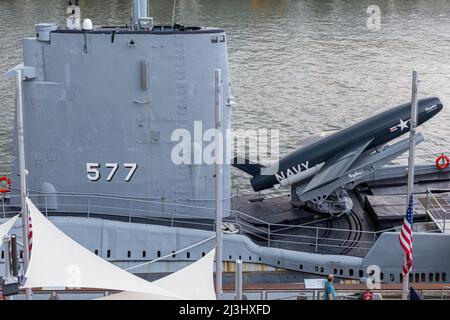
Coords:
pixel 302 67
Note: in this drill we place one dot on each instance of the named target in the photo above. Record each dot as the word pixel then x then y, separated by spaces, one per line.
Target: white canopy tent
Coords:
pixel 58 261
pixel 194 281
pixel 5 227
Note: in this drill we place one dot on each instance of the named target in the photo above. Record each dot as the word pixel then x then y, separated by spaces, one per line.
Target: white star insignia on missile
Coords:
pixel 403 124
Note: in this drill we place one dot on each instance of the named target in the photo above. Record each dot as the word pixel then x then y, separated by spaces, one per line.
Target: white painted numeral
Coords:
pixel 113 167
pixel 132 167
pixel 92 171
pixel 73 21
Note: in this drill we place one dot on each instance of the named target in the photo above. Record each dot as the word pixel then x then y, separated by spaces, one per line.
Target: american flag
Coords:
pixel 406 237
pixel 30 235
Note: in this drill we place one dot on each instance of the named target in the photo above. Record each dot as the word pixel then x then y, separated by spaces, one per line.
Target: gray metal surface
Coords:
pixel 368 167
pixel 123 243
pixel 86 105
pixel 336 166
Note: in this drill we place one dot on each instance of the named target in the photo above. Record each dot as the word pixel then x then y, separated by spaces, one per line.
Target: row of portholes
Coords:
pixel 230 258
pixel 413 277
pixel 422 277
pixel 416 277
pixel 188 255
pixel 143 254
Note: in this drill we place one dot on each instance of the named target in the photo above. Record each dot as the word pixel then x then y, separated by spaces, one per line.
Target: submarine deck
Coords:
pixel 378 207
pixel 275 221
pixel 298 228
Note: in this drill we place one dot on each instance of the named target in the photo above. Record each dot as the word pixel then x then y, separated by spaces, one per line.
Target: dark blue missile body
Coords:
pixel 337 152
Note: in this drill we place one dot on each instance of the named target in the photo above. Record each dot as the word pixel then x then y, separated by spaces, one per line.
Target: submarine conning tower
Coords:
pixel 100 106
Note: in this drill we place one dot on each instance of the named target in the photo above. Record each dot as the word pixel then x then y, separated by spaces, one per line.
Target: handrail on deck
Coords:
pixel 165 213
pixel 435 210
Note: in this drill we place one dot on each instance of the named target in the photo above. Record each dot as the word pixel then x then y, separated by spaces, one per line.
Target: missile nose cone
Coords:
pixel 431 106
pixel 438 103
pixel 428 108
pixel 440 106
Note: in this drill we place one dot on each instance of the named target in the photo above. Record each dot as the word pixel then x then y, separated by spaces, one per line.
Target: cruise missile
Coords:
pixel 327 159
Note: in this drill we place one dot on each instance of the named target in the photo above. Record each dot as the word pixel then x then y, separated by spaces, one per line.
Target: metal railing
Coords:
pixel 304 237
pixel 268 294
pixel 341 294
pixel 438 207
pixel 445 293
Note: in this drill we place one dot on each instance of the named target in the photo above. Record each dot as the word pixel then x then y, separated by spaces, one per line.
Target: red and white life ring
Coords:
pixel 442 162
pixel 8 184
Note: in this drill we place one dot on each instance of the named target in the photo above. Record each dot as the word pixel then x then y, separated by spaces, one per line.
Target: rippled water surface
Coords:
pixel 299 66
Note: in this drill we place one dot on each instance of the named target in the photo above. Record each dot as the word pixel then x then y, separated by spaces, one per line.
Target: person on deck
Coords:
pixel 330 294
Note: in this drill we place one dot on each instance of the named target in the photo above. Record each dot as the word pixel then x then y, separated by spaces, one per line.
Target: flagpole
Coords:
pixel 22 172
pixel 412 149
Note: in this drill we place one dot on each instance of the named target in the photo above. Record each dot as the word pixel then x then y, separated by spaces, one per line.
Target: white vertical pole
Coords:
pixel 173 13
pixel 7 259
pixel 140 9
pixel 23 176
pixel 219 178
pixel 238 285
pixel 412 149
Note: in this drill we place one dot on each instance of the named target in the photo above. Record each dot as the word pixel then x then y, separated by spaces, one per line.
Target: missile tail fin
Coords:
pixel 253 169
